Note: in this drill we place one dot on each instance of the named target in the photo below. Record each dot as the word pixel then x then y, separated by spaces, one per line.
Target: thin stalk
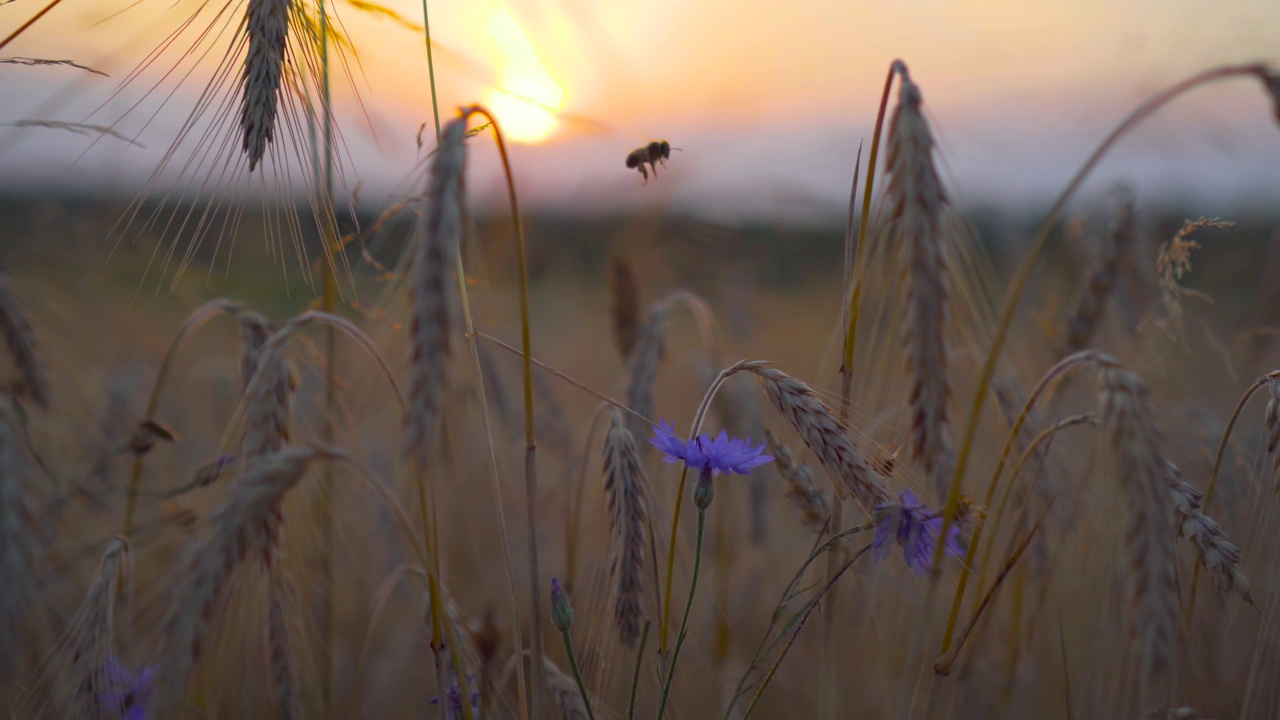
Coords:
pixel 813 604
pixel 635 676
pixel 199 317
pixel 851 333
pixel 684 623
pixel 1217 465
pixel 1084 356
pixel 328 301
pixel 530 457
pixel 1016 288
pixel 23 27
pixel 577 675
pixel 431 69
pixel 684 474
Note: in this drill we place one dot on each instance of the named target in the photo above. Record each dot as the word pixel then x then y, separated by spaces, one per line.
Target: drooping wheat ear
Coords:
pixel 916 197
pixel 565 696
pixel 624 306
pixel 1217 554
pixel 254 331
pixel 826 436
pixel 1272 424
pixel 1138 455
pixel 268 393
pixel 430 291
pixel 21 542
pixel 624 485
pixel 31 381
pixel 1101 280
pixel 643 369
pixel 804 494
pixel 85 675
pixel 267 26
pixel 236 530
pixel 283 613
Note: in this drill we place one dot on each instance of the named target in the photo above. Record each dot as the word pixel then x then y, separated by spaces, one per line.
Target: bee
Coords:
pixel 655 153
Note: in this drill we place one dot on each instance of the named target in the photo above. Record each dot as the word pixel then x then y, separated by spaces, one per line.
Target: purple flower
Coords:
pixel 127 693
pixel 915 528
pixel 453 699
pixel 710 455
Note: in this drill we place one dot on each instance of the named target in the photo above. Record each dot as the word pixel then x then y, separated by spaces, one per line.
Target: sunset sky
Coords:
pixel 767 101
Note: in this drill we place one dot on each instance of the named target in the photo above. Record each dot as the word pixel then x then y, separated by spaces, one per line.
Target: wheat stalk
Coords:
pixel 1271 422
pixel 624 485
pixel 267 26
pixel 31 381
pixel 239 528
pixel 1101 280
pixel 92 638
pixel 825 435
pixel 642 376
pixel 1216 553
pixel 430 292
pixel 916 198
pixel 624 306
pixel 1137 451
pixel 806 496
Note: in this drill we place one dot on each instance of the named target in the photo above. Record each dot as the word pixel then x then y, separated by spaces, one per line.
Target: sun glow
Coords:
pixel 528 97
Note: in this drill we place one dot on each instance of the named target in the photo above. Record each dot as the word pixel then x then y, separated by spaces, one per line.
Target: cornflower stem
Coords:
pixel 577 675
pixel 684 622
pixel 194 321
pixel 530 456
pixel 813 604
pixel 684 476
pixel 635 676
pixel 1016 288
pixel 1084 356
pixel 1257 385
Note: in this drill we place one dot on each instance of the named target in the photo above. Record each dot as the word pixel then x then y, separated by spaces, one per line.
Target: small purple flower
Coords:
pixel 453 699
pixel 710 455
pixel 915 528
pixel 127 693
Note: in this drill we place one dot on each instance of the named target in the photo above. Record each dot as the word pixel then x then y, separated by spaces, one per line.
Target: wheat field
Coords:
pixel 433 459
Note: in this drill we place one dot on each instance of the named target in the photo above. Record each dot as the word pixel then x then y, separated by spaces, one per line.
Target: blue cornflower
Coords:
pixel 127 693
pixel 708 454
pixel 915 528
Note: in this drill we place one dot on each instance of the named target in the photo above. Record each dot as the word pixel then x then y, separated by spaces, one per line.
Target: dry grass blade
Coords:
pixel 41 62
pixel 825 435
pixel 1101 280
pixel 916 198
pixel 1272 424
pixel 236 530
pixel 85 677
pixel 804 494
pixel 430 291
pixel 1137 451
pixel 21 541
pixel 624 485
pixel 1216 553
pixel 31 381
pixel 624 306
pixel 268 31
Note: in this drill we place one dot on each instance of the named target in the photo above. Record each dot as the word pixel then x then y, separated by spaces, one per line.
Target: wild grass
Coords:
pixel 300 538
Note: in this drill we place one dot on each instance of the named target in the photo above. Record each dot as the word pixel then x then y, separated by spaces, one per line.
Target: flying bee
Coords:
pixel 654 154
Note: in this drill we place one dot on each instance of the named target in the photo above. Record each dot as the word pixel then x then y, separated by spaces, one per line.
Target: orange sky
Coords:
pixel 781 91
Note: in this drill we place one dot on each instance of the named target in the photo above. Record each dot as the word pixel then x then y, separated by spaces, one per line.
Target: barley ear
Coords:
pixel 624 485
pixel 267 28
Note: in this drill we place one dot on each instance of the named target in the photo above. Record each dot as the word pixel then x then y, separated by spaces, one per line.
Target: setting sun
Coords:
pixel 529 96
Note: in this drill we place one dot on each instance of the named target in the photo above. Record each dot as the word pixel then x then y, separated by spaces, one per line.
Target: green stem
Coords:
pixel 577 675
pixel 684 623
pixel 635 676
